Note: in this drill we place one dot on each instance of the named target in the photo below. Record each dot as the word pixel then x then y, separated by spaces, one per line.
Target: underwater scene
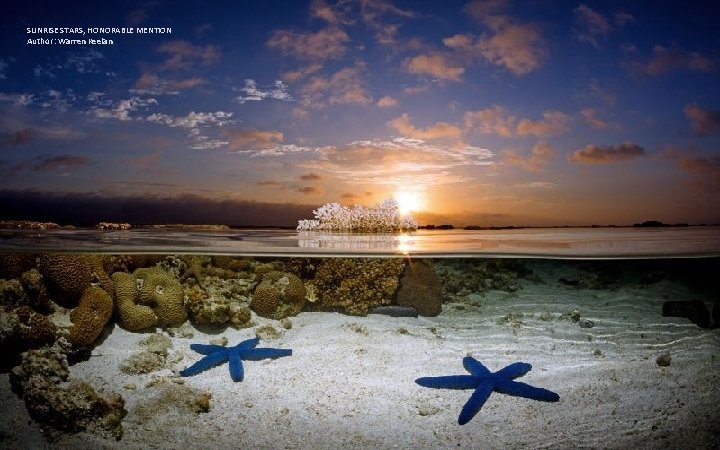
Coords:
pixel 533 338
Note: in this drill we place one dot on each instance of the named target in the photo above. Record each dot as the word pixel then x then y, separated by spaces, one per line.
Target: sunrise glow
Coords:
pixel 409 201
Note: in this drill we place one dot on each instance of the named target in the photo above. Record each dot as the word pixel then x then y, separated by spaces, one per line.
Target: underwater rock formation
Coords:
pixel 42 381
pixel 21 329
pixel 223 301
pixel 279 295
pixel 420 288
pixel 90 317
pixel 147 298
pixel 38 296
pixel 461 277
pixel 355 285
pixel 12 294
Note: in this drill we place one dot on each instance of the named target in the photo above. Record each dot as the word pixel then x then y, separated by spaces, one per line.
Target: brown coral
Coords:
pixel 66 277
pixel 39 298
pixel 12 265
pixel 90 317
pixel 354 285
pixel 420 288
pixel 279 295
pixel 147 298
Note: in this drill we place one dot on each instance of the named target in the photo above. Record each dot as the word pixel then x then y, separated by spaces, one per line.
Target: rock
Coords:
pixel 395 311
pixel 420 288
pixel 585 323
pixel 663 360
pixel 695 310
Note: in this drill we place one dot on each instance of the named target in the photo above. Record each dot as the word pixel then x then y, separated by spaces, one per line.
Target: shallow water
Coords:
pixel 584 306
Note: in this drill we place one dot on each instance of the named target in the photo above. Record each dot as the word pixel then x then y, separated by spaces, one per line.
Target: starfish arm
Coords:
pixel 525 390
pixel 248 343
pixel 475 367
pixel 449 382
pixel 475 402
pixel 256 354
pixel 206 349
pixel 207 362
pixel 236 367
pixel 513 371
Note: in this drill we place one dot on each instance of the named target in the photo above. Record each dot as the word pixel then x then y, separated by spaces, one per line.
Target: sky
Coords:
pixel 488 113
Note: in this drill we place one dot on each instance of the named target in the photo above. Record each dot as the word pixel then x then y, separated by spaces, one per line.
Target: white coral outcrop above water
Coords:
pixel 381 218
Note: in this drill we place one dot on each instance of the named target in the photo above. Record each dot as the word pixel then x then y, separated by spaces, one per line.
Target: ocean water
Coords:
pixel 622 323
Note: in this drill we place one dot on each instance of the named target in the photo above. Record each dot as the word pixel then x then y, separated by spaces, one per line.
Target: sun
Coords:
pixel 409 201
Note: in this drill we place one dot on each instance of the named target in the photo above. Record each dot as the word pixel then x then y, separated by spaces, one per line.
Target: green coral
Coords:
pixel 355 285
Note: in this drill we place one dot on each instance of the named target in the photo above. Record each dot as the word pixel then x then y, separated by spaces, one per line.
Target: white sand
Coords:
pixel 350 380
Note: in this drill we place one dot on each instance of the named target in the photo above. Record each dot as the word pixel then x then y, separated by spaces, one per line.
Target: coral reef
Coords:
pixel 383 217
pixel 38 296
pixel 279 295
pixel 420 288
pixel 12 294
pixel 224 301
pixel 12 265
pixel 21 329
pixel 461 277
pixel 90 317
pixel 42 381
pixel 354 285
pixel 147 298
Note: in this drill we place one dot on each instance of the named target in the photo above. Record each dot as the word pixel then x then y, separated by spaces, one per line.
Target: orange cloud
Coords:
pixel 386 102
pixel 495 120
pixel 664 60
pixel 541 154
pixel 242 139
pixel 593 154
pixel 702 121
pixel 328 43
pixel 344 87
pixel 440 130
pixel 553 122
pixel 310 177
pixel 590 117
pixel 183 55
pixel 435 65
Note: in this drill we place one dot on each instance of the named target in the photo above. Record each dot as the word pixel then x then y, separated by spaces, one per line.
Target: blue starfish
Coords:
pixel 217 354
pixel 485 382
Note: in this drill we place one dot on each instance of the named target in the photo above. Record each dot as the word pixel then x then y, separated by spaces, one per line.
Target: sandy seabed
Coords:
pixel 350 380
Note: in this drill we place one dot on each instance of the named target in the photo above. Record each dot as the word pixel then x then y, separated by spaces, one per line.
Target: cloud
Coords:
pixel 45 163
pixel 308 190
pixel 123 108
pixel 251 92
pixel 664 60
pixel 26 135
pixel 184 55
pixel 602 93
pixel 193 119
pixel 84 62
pixel 17 99
pixel 328 43
pixel 497 120
pixel 244 139
pixel 90 208
pixel 270 183
pixel 594 154
pixel 3 67
pixel 702 121
pixel 519 48
pixel 399 162
pixel 590 26
pixel 151 84
pixel 541 154
pixel 292 76
pixel 344 87
pixel 386 102
pixel 440 130
pixel 434 64
pixel 553 122
pixel 310 177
